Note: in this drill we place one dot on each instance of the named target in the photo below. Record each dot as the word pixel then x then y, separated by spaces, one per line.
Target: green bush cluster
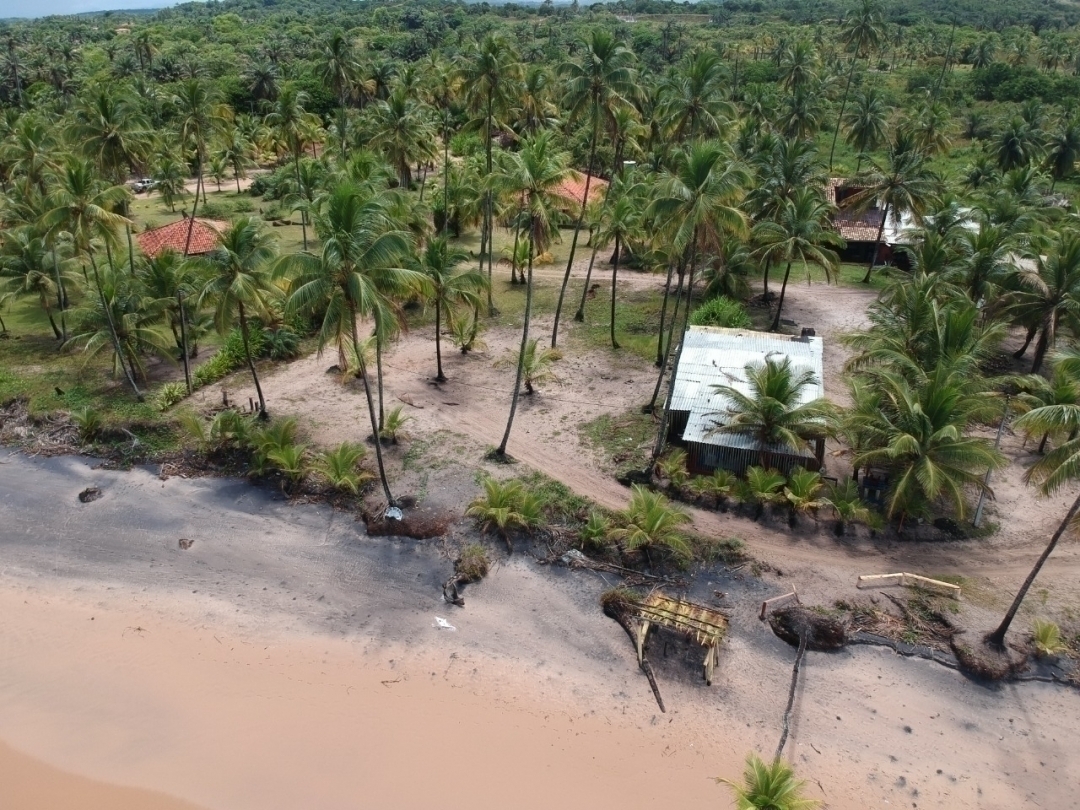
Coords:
pixel 231 355
pixel 721 311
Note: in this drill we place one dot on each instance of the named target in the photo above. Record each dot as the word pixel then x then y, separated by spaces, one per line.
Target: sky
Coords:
pixel 42 8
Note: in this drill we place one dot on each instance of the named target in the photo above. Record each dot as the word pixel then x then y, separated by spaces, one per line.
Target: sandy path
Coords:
pixel 256 679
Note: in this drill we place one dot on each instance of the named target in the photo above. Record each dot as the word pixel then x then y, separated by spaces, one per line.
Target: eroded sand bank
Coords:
pixel 286 661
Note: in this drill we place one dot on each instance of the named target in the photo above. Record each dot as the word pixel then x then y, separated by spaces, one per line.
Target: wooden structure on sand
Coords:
pixel 701 624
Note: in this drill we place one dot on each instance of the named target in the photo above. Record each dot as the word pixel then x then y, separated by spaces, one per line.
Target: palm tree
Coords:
pixel 622 224
pixel 862 34
pixel 603 80
pixel 490 73
pixel 110 129
pixel 83 207
pixel 1049 292
pixel 289 118
pixel 199 116
pixel 867 123
pixel 360 267
pixel 916 432
pixel 338 68
pixel 261 79
pixel 1063 150
pixel 697 203
pixel 235 152
pixel 800 233
pixel 901 184
pixel 238 283
pixel 651 521
pixel 693 98
pixel 774 413
pixel 769 787
pixel 506 506
pixel 402 127
pixel 26 266
pixel 448 287
pixel 1017 145
pixel 532 173
pixel 1059 467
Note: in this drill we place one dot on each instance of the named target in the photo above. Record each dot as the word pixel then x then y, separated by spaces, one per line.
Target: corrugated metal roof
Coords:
pixel 713 356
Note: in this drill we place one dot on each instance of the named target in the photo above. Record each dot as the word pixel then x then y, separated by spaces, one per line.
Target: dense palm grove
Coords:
pixel 390 134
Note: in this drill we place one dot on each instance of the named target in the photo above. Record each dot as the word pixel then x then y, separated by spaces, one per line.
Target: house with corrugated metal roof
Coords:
pixel 713 356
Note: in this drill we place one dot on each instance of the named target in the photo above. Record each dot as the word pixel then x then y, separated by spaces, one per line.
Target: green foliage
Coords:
pixel 843 497
pixel 283 344
pixel 506 507
pixel 269 440
pixel 340 467
pixel 230 356
pixel 719 486
pixel 169 394
pixel 762 488
pixel 595 532
pixel 291 461
pixel 767 786
pixel 1046 636
pixel 89 422
pixel 721 311
pixel 672 468
pixel 393 425
pixel 803 492
pixel 652 521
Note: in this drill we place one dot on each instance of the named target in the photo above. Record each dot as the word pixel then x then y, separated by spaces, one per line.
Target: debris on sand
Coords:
pixel 823 632
pixel 89 494
pixel 185 544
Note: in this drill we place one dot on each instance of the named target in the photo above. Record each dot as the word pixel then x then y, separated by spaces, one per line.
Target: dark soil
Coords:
pixel 824 632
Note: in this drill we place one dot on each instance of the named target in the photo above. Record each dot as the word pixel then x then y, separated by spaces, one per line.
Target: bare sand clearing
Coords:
pixel 286 660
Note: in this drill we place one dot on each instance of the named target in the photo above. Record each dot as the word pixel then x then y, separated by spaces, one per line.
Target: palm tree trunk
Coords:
pixel 379 375
pixel 112 331
pixel 577 228
pixel 997 638
pixel 1032 331
pixel 513 256
pixel 371 407
pixel 195 204
pixel 670 342
pixel 780 305
pixel 1041 347
pixel 52 322
pixel 440 377
pixel 614 277
pixel 183 340
pixel 131 250
pixel 236 174
pixel 251 363
pixel 579 316
pixel 765 281
pixel 446 179
pixel 61 297
pixel 501 451
pixel 663 314
pixel 661 436
pixel 487 227
pixel 877 245
pixel 843 106
pixel 299 190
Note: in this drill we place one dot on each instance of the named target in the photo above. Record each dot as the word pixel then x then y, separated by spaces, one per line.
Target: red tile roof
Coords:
pixel 854 227
pixel 205 236
pixel 573 188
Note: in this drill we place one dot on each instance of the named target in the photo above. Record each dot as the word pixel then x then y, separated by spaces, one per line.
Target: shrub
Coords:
pixel 672 468
pixel 472 564
pixel 89 422
pixel 279 434
pixel 506 507
pixel 169 394
pixel 393 424
pixel 719 486
pixel 466 144
pixel 594 534
pixel 721 311
pixel 1047 638
pixel 763 487
pixel 339 467
pixel 231 355
pixel 283 344
pixel 291 461
pixel 652 520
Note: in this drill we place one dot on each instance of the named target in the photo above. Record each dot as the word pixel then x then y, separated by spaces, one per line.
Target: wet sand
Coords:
pixel 286 661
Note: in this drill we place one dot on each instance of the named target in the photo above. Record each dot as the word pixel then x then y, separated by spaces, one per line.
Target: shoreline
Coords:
pixel 236 692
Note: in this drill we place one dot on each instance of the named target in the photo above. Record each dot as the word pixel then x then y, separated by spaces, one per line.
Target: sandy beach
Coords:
pixel 287 660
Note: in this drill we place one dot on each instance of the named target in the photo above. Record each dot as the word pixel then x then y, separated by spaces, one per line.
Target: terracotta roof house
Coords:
pixel 205 236
pixel 572 189
pixel 860 228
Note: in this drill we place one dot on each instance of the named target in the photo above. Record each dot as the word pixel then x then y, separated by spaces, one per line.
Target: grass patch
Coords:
pixel 623 441
pixel 559 501
pixel 637 321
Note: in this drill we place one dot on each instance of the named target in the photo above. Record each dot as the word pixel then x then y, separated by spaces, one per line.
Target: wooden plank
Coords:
pixel 776 601
pixel 908 580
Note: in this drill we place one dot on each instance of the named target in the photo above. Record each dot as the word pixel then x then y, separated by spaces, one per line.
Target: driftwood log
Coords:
pixel 620 612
